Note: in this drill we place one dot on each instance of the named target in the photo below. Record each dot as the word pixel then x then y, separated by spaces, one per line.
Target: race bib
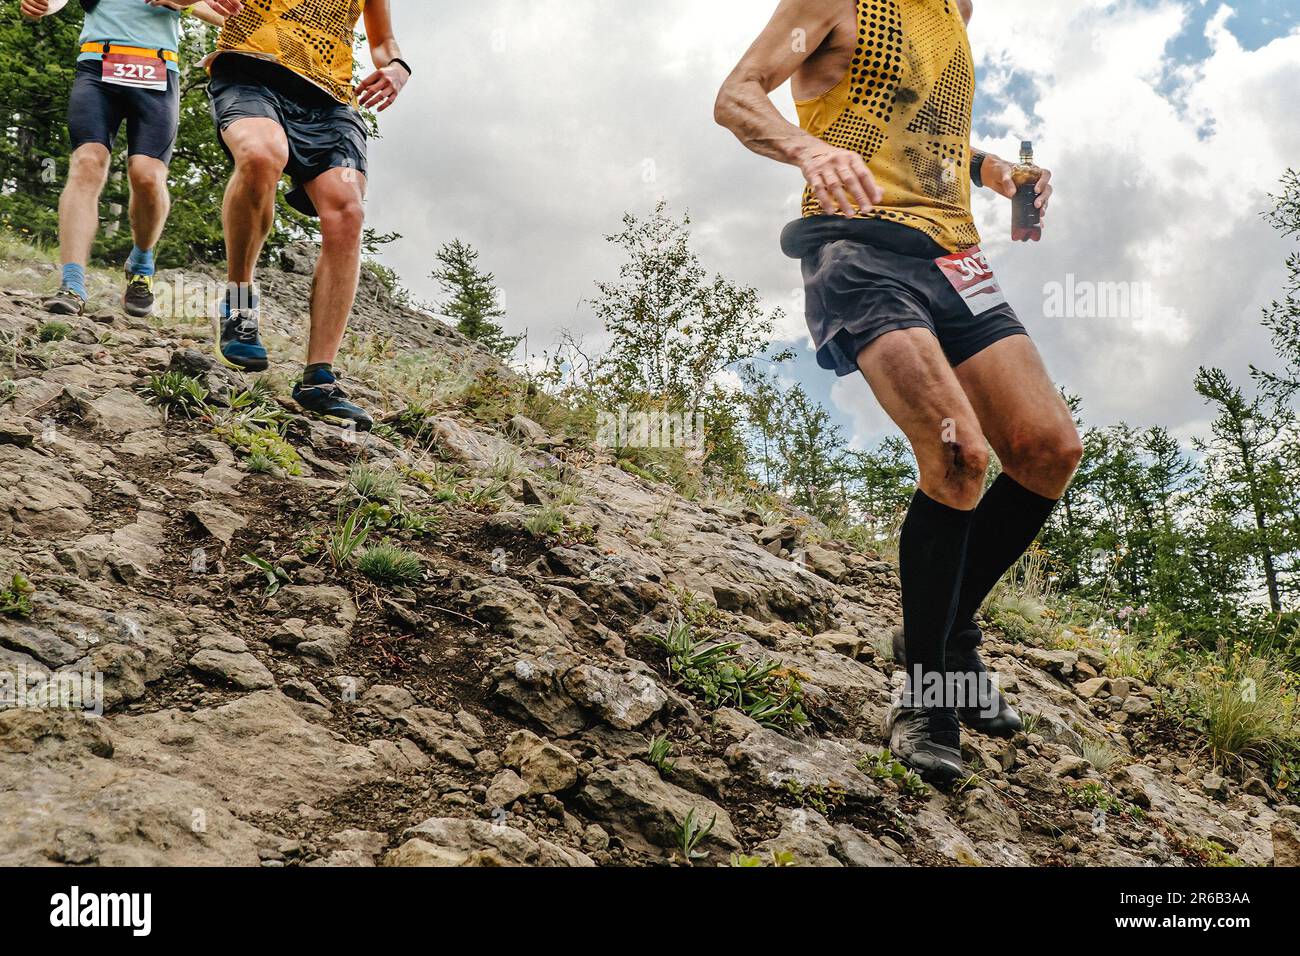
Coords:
pixel 971 275
pixel 143 72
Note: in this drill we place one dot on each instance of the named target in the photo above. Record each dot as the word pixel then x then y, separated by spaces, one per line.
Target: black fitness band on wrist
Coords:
pixel 976 165
pixel 402 63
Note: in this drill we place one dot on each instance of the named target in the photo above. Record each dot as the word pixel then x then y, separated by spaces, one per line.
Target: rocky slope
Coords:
pixel 502 709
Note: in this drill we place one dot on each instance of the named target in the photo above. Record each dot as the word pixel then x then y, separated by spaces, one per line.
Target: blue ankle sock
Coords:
pixel 74 278
pixel 140 262
pixel 319 374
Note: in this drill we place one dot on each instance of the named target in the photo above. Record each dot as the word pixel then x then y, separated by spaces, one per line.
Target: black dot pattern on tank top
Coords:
pixel 311 37
pixel 877 61
pixel 947 111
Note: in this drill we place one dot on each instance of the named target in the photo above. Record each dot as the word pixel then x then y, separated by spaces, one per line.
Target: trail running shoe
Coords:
pixel 927 740
pixel 330 402
pixel 238 342
pixel 65 302
pixel 991 714
pixel 138 298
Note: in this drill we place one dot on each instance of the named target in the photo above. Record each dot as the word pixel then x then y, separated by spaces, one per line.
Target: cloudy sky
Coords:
pixel 531 128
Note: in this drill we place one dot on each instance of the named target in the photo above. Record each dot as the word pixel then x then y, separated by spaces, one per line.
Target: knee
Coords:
pixel 148 179
pixel 262 161
pixel 956 477
pixel 89 168
pixel 342 220
pixel 1050 454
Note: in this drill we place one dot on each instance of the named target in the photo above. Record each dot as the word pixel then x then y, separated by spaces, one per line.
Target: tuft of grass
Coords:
pixel 368 483
pixel 390 565
pixel 16 597
pixel 544 522
pixel 1243 707
pixel 260 463
pixel 1100 754
pixel 54 331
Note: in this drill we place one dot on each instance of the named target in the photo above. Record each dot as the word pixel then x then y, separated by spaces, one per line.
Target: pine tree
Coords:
pixel 474 301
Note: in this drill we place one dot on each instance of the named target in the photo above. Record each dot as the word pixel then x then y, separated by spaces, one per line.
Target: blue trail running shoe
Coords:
pixel 328 401
pixel 238 342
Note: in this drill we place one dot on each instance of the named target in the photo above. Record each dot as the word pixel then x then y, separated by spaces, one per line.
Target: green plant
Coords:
pixel 690 835
pixel 825 800
pixel 779 858
pixel 260 463
pixel 368 483
pixel 1093 796
pixel 388 564
pixel 760 689
pixel 53 331
pixel 883 766
pixel 661 749
pixel 275 575
pixel 261 440
pixel 544 522
pixel 1031 722
pixel 8 389
pixel 16 597
pixel 1100 753
pixel 347 537
pixel 1243 707
pixel 177 392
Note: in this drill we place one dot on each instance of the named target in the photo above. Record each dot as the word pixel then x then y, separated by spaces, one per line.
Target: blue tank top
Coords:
pixel 131 23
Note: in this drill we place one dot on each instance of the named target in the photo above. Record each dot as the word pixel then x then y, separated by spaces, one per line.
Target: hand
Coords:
pixel 840 180
pixel 996 174
pixel 34 9
pixel 381 87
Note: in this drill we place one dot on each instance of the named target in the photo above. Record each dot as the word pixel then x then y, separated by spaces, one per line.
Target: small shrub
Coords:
pixel 264 441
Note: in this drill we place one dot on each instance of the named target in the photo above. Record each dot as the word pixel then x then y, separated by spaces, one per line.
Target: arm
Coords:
pixel 207 14
pixel 381 88
pixel 745 107
pixel 995 173
pixel 217 11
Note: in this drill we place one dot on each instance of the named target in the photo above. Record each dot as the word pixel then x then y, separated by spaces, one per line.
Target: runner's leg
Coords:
pixel 261 152
pixel 337 196
pixel 150 200
pixel 1035 437
pixel 916 386
pixel 79 204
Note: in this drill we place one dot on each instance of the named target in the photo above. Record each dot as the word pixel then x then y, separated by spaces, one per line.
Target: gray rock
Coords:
pixel 242 670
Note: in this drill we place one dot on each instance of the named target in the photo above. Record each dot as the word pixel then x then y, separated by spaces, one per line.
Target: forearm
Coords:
pixel 745 108
pixel 385 52
pixel 207 14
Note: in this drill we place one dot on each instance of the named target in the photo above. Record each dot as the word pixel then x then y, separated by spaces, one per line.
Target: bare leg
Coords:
pixel 338 196
pixel 261 152
pixel 1026 420
pixel 150 201
pixel 79 204
pixel 917 388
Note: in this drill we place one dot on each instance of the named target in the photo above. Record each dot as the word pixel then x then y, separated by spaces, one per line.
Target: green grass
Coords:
pixel 177 393
pixel 368 483
pixel 545 523
pixel 1243 708
pixel 388 564
pixel 346 538
pixel 53 331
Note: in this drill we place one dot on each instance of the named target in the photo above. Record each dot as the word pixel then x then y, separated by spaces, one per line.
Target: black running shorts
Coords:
pixel 864 278
pixel 323 133
pixel 96 111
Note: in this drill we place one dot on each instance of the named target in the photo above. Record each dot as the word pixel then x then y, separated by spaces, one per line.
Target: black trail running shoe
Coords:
pixel 138 298
pixel 988 713
pixel 929 741
pixel 330 402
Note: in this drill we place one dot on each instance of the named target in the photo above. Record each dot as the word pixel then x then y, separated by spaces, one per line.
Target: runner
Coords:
pixel 283 101
pixel 126 72
pixel 898 290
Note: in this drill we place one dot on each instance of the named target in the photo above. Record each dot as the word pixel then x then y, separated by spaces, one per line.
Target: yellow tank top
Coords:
pixel 311 37
pixel 905 106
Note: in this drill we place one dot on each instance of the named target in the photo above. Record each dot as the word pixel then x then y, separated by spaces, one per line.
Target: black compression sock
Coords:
pixel 931 555
pixel 1005 525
